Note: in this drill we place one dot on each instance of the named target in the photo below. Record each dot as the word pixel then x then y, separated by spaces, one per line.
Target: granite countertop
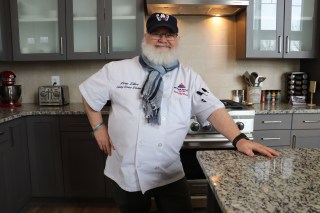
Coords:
pixel 289 183
pixel 7 114
pixel 283 108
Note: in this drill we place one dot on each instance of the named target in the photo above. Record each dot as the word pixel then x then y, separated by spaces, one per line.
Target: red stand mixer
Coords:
pixel 9 92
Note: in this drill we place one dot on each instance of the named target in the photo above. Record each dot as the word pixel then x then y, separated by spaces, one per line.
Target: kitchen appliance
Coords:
pixel 53 95
pixel 196 7
pixel 296 84
pixel 9 92
pixel 202 136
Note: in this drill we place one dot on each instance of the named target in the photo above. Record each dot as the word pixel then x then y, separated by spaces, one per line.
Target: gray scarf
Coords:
pixel 152 89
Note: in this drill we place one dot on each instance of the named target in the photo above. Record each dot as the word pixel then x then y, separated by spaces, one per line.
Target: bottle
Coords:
pixel 278 96
pixel 235 96
pixel 268 96
pixel 273 97
pixel 263 96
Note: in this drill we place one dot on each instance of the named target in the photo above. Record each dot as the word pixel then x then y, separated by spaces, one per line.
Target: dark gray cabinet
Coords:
pixel 273 130
pixel 75 30
pixel 306 130
pixel 45 156
pixel 83 161
pixel 104 29
pixel 38 30
pixel 277 29
pixel 14 166
pixel 5 31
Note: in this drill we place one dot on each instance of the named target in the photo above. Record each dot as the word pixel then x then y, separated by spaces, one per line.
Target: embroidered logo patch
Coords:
pixel 181 90
pixel 162 17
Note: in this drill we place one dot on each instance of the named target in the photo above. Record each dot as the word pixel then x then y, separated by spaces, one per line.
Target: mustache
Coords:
pixel 162 45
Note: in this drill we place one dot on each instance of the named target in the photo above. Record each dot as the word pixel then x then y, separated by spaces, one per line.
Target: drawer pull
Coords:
pixel 2 133
pixel 311 121
pixel 272 122
pixel 266 139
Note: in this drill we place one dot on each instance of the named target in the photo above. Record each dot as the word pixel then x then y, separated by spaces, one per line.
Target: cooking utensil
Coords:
pixel 260 80
pixel 246 77
pixel 255 75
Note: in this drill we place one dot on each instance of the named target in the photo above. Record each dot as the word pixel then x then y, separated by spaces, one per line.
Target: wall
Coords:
pixel 207 45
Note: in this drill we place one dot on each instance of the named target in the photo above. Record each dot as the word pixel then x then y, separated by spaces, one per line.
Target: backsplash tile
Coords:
pixel 207 45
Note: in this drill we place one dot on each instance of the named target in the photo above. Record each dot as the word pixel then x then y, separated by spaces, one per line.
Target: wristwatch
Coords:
pixel 238 138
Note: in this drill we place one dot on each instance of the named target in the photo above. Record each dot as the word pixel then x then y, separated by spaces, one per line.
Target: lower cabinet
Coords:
pixel 83 161
pixel 306 130
pixel 45 156
pixel 305 138
pixel 273 130
pixel 14 166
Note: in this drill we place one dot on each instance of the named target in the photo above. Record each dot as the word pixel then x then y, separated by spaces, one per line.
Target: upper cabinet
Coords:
pixel 38 30
pixel 76 29
pixel 277 29
pixel 5 32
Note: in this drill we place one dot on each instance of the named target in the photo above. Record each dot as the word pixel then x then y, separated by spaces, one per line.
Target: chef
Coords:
pixel 152 98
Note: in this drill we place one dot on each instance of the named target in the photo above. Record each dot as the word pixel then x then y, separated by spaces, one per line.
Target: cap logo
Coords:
pixel 162 17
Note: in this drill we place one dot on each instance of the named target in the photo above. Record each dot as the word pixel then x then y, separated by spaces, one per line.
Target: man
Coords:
pixel 153 97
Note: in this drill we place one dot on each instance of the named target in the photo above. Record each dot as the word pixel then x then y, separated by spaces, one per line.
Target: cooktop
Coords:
pixel 229 104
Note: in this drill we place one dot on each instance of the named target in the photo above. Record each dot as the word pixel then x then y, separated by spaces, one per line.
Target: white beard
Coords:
pixel 159 56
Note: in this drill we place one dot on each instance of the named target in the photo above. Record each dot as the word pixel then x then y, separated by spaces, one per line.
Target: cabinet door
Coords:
pixel 124 28
pixel 85 29
pixel 83 165
pixel 5 29
pixel 5 145
pixel 19 182
pixel 45 156
pixel 300 28
pixel 264 29
pixel 38 29
pixel 305 138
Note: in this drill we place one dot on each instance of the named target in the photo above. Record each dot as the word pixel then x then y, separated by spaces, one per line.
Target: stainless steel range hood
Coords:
pixel 196 7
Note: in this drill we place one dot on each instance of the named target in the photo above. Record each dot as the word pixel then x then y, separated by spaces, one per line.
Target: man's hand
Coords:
pixel 102 137
pixel 249 147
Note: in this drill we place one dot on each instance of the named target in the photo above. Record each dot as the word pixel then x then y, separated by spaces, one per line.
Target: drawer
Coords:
pixel 272 138
pixel 306 121
pixel 276 121
pixel 76 123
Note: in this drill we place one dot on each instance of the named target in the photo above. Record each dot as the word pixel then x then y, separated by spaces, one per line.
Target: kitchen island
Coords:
pixel 238 183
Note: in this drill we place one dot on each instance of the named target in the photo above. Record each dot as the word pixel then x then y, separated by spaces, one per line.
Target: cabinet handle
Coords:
pixel 311 121
pixel 108 44
pixel 294 141
pixel 61 45
pixel 279 44
pixel 266 139
pixel 272 122
pixel 288 44
pixel 2 133
pixel 100 50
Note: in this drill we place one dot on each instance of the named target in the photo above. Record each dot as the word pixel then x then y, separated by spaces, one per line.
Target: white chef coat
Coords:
pixel 146 155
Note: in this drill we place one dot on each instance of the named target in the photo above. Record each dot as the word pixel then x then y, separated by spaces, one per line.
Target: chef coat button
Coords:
pixel 141 142
pixel 159 145
pixel 163 118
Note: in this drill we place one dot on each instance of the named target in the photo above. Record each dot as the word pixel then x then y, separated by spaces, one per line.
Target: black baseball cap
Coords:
pixel 162 20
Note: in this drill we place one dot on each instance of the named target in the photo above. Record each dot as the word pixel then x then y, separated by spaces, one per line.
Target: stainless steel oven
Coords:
pixel 205 137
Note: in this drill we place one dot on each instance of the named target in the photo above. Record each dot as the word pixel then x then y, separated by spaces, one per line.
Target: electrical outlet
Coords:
pixel 55 80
